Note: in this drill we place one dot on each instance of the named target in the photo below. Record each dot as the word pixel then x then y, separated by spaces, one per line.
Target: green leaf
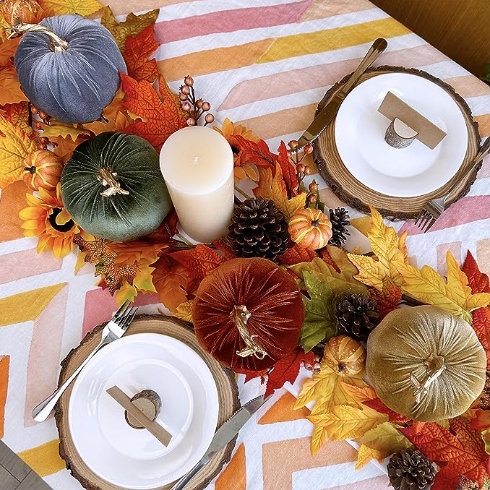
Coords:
pixel 319 323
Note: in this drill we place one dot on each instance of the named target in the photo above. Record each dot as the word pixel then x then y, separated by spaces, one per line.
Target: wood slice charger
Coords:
pixel 359 196
pixel 225 383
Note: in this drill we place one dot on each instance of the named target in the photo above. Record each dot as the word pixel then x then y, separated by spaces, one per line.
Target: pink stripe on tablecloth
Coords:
pixel 27 263
pixel 229 21
pixel 307 78
pixel 44 354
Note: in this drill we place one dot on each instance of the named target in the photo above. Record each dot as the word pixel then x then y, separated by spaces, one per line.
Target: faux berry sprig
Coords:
pixel 196 108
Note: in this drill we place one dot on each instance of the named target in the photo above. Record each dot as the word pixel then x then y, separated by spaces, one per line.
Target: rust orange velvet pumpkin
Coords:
pixel 345 355
pixel 310 228
pixel 248 313
pixel 42 169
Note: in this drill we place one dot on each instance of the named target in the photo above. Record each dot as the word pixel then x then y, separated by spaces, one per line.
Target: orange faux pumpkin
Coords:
pixel 345 355
pixel 248 313
pixel 310 228
pixel 21 11
pixel 43 169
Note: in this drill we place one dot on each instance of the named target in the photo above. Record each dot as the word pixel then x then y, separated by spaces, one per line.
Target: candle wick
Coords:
pixel 196 159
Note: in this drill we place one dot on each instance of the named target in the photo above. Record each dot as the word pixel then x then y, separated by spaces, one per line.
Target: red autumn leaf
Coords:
pixel 199 261
pixel 388 298
pixel 477 280
pixel 256 152
pixel 157 116
pixel 481 325
pixel 296 254
pixel 481 420
pixel 288 170
pixel 459 450
pixel 379 406
pixel 138 50
pixel 287 369
pixel 224 248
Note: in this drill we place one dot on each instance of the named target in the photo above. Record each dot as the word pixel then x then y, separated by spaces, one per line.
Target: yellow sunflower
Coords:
pixel 242 169
pixel 47 219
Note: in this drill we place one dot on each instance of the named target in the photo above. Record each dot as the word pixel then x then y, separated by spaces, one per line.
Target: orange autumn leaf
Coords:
pixel 157 118
pixel 296 254
pixel 10 91
pixel 138 50
pixel 480 419
pixel 114 115
pixel 60 7
pixel 199 261
pixel 288 170
pixel 8 47
pixel 388 298
pixel 18 115
pixel 131 26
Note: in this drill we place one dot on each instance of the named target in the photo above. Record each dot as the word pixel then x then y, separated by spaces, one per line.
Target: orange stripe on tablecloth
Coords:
pixel 321 9
pixel 281 459
pixel 4 383
pixel 44 459
pixel 283 411
pixel 468 85
pixel 26 263
pixel 235 475
pixel 12 201
pixel 483 124
pixel 213 60
pixel 483 255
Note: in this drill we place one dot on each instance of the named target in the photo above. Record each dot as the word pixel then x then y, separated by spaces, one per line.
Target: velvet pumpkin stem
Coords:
pixel 56 42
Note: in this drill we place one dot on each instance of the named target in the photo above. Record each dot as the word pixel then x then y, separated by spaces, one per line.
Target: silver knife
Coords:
pixel 223 436
pixel 329 111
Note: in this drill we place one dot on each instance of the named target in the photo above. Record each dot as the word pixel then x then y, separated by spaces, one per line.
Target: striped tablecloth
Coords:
pixel 264 64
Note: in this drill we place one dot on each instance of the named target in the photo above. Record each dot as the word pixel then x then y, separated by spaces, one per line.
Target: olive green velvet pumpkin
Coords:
pixel 113 187
pixel 425 363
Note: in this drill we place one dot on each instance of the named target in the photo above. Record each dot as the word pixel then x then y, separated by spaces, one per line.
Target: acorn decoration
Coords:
pixel 258 229
pixel 339 217
pixel 425 363
pixel 409 469
pixel 248 313
pixel 356 315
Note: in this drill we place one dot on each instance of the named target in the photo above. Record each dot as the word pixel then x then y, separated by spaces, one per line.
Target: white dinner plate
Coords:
pixel 133 458
pixel 400 172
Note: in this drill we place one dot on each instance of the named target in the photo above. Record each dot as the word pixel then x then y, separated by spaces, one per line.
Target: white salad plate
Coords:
pixel 400 172
pixel 134 458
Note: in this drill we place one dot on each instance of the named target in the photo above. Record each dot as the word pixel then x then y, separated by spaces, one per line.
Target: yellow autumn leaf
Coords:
pixel 143 281
pixel 318 438
pixel 347 422
pixel 81 7
pixel 379 442
pixel 363 224
pixel 15 145
pixel 132 26
pixel 453 294
pixel 274 188
pixel 57 129
pixel 127 292
pixel 184 311
pixel 371 272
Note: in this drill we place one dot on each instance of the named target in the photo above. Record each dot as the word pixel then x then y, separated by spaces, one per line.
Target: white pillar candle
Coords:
pixel 197 165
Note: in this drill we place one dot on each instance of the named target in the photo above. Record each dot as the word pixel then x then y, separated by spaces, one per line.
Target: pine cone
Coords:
pixel 409 469
pixel 340 220
pixel 258 229
pixel 356 315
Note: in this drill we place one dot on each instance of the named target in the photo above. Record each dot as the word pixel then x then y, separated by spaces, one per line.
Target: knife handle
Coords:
pixel 378 46
pixel 180 484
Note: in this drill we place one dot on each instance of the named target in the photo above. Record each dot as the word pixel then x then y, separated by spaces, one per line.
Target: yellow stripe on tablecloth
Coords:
pixel 44 459
pixel 213 60
pixel 483 124
pixel 26 306
pixel 331 39
pixel 4 383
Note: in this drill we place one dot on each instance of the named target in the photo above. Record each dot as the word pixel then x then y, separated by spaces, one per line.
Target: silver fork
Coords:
pixel 433 209
pixel 113 330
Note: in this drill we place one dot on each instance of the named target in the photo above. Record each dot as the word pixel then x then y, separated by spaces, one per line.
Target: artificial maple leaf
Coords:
pixel 132 25
pixel 481 326
pixel 63 147
pixel 379 442
pixel 113 117
pixel 453 295
pixel 287 369
pixel 18 115
pixel 184 311
pixel 295 254
pixel 272 186
pixel 57 129
pixel 10 91
pixel 319 322
pixel 288 170
pixel 8 47
pixel 61 7
pixel 458 450
pixel 388 298
pixel 137 52
pixel 172 281
pixel 477 280
pixel 15 145
pixel 389 248
pixel 157 118
pixel 254 151
pixel 199 261
pixel 379 406
pixel 480 419
pixel 360 393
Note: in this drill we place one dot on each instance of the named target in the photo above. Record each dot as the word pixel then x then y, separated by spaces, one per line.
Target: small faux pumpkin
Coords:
pixel 425 363
pixel 42 169
pixel 345 355
pixel 248 313
pixel 310 228
pixel 113 187
pixel 68 66
pixel 21 11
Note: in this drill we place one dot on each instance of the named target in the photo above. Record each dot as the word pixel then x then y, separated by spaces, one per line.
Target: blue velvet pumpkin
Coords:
pixel 71 80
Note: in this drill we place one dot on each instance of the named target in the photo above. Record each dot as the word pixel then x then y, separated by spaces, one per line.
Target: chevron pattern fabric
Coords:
pixel 264 64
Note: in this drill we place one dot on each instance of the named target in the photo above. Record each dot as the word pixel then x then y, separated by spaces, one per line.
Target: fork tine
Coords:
pixel 128 318
pixel 422 218
pixel 429 224
pixel 122 309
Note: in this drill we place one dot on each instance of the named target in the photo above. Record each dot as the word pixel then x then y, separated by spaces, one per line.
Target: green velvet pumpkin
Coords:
pixel 113 187
pixel 73 74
